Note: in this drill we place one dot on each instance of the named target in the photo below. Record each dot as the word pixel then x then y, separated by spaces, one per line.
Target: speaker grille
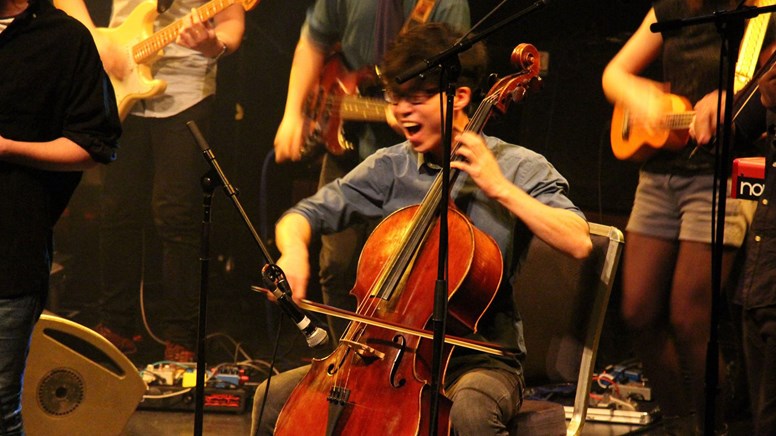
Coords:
pixel 60 391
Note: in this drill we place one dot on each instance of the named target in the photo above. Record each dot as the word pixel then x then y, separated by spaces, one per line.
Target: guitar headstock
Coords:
pixel 249 4
pixel 513 88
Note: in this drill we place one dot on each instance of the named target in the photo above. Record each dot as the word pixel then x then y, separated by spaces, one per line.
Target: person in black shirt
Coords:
pixel 58 117
pixel 757 294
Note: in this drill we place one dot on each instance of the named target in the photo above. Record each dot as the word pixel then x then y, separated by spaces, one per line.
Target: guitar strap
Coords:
pixel 388 23
pixel 419 14
pixel 163 5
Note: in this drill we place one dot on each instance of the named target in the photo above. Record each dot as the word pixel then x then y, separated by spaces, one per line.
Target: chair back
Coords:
pixel 563 304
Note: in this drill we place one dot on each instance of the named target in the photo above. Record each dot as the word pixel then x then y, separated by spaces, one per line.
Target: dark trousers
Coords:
pixel 158 168
pixel 759 332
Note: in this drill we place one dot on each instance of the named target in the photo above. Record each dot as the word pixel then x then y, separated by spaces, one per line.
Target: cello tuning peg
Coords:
pixel 491 80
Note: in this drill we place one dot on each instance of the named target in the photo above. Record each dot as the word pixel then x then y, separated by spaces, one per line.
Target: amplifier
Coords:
pixel 748 178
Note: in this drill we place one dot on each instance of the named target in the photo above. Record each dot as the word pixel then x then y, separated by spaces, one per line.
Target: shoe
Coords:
pixel 125 345
pixel 177 353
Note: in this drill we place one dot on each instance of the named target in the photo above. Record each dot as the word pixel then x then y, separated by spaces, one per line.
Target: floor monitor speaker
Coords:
pixel 76 382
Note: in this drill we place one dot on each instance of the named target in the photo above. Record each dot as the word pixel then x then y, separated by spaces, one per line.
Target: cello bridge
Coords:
pixel 363 350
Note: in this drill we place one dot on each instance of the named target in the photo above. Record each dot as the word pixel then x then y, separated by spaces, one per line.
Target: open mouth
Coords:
pixel 411 128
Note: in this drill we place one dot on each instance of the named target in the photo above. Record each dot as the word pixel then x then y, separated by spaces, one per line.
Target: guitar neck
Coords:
pixel 146 49
pixel 678 120
pixel 355 108
pixel 751 45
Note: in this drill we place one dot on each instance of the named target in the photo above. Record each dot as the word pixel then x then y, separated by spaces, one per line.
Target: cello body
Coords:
pixel 376 381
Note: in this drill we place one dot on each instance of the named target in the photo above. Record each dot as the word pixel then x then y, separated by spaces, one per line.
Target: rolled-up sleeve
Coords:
pixel 91 117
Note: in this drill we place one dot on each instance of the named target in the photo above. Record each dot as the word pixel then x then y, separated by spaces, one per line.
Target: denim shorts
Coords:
pixel 676 207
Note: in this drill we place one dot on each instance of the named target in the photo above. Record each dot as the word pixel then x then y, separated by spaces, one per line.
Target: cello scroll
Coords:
pixel 512 88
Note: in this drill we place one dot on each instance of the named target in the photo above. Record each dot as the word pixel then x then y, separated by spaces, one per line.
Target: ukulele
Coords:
pixel 142 47
pixel 632 140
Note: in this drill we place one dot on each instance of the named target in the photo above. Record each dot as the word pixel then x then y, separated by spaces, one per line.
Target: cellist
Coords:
pixel 507 191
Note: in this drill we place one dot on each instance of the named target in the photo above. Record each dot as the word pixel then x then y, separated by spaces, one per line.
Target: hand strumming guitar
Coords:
pixel 114 61
pixel 305 69
pixel 704 124
pixel 646 102
pixel 288 139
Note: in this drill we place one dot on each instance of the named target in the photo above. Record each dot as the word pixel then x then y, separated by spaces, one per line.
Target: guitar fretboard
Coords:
pixel 680 120
pixel 356 108
pixel 751 44
pixel 144 50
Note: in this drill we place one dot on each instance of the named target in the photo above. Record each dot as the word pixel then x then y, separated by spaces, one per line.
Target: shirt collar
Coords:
pixel 423 163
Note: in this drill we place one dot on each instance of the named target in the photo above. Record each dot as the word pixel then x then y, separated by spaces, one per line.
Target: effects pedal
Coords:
pixel 232 400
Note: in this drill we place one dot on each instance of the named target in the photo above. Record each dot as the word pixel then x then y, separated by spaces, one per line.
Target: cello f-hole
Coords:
pixel 398 339
pixel 333 368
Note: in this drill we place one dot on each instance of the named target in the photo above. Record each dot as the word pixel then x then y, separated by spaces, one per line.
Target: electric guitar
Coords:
pixel 333 101
pixel 141 47
pixel 634 141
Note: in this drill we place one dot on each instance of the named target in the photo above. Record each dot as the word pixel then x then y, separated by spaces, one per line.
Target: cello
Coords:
pixel 377 379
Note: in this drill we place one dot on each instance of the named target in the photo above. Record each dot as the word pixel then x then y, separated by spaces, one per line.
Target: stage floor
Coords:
pixel 153 423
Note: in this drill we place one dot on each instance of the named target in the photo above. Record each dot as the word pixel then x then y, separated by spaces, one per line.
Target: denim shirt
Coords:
pixel 394 178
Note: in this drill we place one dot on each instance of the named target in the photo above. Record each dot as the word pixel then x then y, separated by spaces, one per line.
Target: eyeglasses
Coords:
pixel 415 97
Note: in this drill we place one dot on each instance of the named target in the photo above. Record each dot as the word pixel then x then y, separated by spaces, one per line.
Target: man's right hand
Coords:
pixel 288 139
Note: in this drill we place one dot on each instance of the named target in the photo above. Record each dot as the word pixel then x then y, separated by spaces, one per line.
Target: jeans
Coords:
pixel 17 319
pixel 158 169
pixel 484 401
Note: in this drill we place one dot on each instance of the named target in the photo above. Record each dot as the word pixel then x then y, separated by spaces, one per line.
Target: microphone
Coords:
pixel 276 280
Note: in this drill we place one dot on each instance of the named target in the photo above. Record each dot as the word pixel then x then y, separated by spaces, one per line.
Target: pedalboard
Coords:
pixel 176 398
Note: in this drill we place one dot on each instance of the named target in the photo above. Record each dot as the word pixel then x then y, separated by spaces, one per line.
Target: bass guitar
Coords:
pixel 141 47
pixel 334 101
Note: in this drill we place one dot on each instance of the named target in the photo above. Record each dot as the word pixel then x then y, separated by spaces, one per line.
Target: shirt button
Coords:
pixel 765 201
pixel 757 238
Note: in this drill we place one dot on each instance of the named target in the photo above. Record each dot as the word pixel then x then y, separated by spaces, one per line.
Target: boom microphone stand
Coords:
pixel 273 275
pixel 209 184
pixel 730 25
pixel 450 67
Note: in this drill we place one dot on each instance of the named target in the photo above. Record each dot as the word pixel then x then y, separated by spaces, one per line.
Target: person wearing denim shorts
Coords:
pixel 667 280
